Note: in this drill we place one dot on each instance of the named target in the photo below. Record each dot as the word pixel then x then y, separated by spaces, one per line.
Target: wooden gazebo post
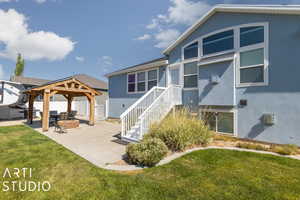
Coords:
pixel 46 101
pixel 92 110
pixel 30 108
pixel 70 99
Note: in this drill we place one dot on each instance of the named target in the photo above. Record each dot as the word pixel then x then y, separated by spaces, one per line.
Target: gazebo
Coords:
pixel 69 88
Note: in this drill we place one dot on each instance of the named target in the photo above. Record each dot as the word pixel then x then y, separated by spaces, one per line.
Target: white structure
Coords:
pixel 10 97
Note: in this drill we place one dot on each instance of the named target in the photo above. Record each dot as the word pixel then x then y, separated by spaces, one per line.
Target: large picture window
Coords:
pixel 191 51
pixel 141 81
pixel 218 42
pixel 190 75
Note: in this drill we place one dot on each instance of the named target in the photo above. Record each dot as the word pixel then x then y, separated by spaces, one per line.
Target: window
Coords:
pixel 252 66
pixel 191 51
pixel 131 82
pixel 152 79
pixel 190 75
pixel 1 92
pixel 218 42
pixel 221 122
pixel 141 79
pixel 251 35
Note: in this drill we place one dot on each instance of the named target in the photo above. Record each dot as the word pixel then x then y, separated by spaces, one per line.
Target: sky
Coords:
pixel 60 38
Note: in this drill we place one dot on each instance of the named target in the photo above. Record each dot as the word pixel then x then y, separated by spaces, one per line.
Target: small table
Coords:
pixel 67 124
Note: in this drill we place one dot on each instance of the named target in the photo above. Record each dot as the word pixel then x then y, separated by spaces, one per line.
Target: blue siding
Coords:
pixel 281 96
pixel 119 99
pixel 216 94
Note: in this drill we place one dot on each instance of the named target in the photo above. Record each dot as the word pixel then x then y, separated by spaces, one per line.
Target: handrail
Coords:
pixel 139 100
pixel 147 117
pixel 156 100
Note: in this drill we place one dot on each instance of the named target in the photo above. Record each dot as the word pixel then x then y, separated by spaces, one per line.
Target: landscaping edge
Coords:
pixel 179 154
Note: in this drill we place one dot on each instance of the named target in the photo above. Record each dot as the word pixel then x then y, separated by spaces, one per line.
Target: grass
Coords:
pixel 209 174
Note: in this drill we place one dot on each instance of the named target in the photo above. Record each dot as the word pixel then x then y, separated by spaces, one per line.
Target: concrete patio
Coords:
pixel 96 144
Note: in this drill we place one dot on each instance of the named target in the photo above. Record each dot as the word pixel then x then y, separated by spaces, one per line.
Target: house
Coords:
pixel 12 91
pixel 238 64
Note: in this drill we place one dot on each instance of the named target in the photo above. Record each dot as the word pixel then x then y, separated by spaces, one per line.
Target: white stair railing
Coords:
pixel 171 97
pixel 130 117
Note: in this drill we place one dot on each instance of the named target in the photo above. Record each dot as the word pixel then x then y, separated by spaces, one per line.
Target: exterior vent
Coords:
pixel 269 119
pixel 215 79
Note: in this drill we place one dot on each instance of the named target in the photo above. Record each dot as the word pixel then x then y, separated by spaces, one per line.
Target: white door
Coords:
pixel 174 75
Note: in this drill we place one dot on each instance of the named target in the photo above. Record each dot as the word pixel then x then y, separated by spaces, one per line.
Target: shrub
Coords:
pixel 180 131
pixel 146 153
pixel 258 147
pixel 287 149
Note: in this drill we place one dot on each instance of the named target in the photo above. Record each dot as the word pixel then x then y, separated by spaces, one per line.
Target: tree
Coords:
pixel 19 66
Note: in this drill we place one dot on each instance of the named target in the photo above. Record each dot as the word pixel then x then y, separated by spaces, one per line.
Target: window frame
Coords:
pixel 221 52
pixel 188 44
pixel 233 111
pixel 264 45
pixel 146 80
pixel 137 81
pixel 184 75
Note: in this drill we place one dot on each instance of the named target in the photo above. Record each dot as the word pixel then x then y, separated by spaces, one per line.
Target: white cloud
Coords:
pixel 5 1
pixel 144 37
pixel 186 12
pixel 105 63
pixel 17 38
pixel 1 72
pixel 79 58
pixel 180 12
pixel 153 24
pixel 166 37
pixel 40 1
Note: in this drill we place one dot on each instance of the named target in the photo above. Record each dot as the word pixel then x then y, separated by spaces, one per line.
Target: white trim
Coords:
pixel 139 68
pixel 218 53
pixel 146 80
pixel 217 60
pixel 265 9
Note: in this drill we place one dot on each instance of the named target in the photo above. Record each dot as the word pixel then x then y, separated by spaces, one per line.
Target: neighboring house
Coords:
pixel 238 64
pixel 57 102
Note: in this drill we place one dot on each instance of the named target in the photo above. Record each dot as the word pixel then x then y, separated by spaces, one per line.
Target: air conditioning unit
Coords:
pixel 269 119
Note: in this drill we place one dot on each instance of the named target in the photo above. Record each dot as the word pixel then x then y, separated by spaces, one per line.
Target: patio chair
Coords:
pixel 63 116
pixel 72 114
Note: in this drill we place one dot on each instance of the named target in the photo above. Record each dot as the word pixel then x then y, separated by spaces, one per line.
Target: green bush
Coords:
pixel 287 149
pixel 258 147
pixel 181 131
pixel 146 153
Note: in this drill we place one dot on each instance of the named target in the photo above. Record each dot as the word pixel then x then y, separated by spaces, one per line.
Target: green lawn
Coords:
pixel 209 174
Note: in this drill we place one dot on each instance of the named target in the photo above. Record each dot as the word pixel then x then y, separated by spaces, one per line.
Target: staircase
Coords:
pixel 150 108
